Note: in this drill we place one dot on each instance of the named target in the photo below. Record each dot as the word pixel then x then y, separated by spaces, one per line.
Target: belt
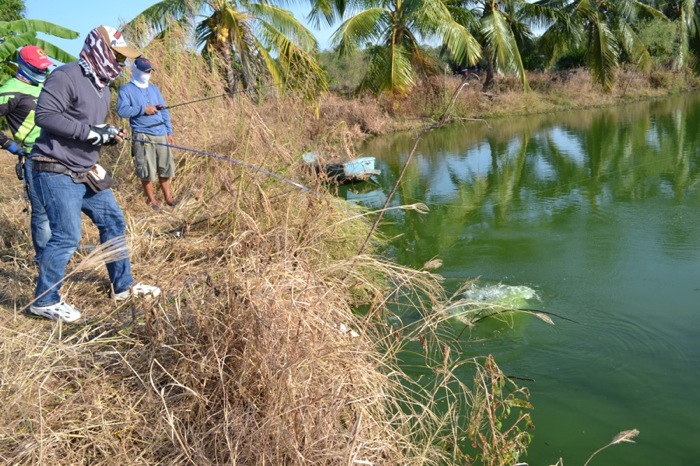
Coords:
pixel 53 167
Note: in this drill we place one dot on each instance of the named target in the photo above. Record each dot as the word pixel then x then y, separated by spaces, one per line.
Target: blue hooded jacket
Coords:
pixel 131 104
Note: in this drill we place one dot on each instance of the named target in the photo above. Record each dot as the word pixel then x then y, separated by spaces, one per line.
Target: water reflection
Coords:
pixel 371 199
pixel 475 177
pixel 598 212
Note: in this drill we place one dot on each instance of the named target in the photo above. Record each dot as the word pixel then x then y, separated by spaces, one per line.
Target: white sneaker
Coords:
pixel 137 290
pixel 60 311
pixel 347 331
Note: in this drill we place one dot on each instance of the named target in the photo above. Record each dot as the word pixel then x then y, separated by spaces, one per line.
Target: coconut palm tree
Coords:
pixel 603 27
pixel 683 11
pixel 16 34
pixel 391 30
pixel 502 27
pixel 252 39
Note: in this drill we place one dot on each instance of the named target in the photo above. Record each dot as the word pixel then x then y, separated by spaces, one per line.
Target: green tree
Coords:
pixel 684 12
pixel 662 39
pixel 11 10
pixel 16 34
pixel 251 39
pixel 605 28
pixel 390 31
pixel 345 72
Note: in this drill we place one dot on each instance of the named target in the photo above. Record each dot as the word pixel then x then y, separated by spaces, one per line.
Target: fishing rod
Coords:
pixel 168 107
pixel 227 159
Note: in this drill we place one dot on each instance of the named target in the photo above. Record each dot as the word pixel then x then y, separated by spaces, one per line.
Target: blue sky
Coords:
pixel 84 15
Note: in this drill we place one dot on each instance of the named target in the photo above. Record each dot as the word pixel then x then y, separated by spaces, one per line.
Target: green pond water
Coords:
pixel 598 213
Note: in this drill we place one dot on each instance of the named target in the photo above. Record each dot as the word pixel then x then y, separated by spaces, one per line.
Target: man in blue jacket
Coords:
pixel 18 98
pixel 142 103
pixel 71 112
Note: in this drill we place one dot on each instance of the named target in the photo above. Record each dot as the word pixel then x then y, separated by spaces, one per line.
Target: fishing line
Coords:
pixel 168 107
pixel 440 123
pixel 229 160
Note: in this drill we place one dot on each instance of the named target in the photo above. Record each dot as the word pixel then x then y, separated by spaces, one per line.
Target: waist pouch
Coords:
pixel 96 178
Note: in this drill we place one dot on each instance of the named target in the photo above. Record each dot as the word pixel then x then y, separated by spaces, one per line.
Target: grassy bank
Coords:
pixel 550 92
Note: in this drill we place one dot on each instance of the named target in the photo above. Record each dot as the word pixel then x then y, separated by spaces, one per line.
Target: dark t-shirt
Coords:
pixel 67 106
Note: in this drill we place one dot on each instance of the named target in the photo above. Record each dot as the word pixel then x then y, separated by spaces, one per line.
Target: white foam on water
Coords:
pixel 505 295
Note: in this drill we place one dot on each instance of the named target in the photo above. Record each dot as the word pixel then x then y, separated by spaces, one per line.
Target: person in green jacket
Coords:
pixel 18 97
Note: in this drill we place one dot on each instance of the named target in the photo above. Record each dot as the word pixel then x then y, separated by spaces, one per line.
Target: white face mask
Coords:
pixel 140 78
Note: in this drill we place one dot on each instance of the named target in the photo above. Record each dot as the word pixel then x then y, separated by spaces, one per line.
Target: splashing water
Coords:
pixel 478 302
pixel 500 294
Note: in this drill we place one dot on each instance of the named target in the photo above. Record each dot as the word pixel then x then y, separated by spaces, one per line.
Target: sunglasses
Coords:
pixel 121 59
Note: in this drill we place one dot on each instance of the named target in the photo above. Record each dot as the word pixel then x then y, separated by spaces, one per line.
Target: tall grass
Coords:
pixel 252 354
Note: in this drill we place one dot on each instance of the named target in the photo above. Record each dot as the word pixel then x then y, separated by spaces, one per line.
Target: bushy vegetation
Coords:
pixel 661 37
pixel 344 73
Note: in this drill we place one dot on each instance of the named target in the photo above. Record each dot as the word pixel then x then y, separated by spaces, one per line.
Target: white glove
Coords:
pixel 103 134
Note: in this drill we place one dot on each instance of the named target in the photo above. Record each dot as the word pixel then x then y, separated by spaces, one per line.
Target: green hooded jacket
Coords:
pixel 17 103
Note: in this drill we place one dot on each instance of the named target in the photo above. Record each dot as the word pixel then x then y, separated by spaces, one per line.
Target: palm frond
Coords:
pixel 633 46
pixel 463 16
pixel 402 76
pixel 160 14
pixel 330 11
pixel 502 45
pixel 293 47
pixel 688 8
pixel 35 25
pixel 54 51
pixel 585 9
pixel 649 11
pixel 16 34
pixel 621 8
pixel 425 15
pixel 390 71
pixel 294 67
pixel 275 21
pixel 539 15
pixel 10 44
pixel 461 44
pixel 603 55
pixel 365 27
pixel 687 30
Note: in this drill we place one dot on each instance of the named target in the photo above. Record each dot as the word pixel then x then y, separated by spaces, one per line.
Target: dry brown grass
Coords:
pixel 241 361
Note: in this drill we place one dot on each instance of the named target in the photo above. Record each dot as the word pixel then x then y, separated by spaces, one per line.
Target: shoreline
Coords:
pixel 550 93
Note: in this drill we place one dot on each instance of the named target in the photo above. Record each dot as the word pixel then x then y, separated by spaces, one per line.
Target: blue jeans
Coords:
pixel 41 232
pixel 63 201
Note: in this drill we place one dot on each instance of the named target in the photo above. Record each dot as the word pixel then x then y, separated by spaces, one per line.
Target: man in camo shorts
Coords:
pixel 142 103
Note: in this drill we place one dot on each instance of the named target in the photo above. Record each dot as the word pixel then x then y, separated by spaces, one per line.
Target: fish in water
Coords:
pixel 481 301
